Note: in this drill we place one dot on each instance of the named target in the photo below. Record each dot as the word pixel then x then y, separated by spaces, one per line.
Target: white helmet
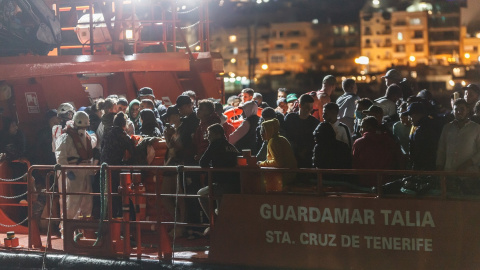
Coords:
pixel 81 119
pixel 64 109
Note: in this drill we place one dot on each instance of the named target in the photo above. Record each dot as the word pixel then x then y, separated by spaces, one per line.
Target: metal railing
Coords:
pixel 318 186
pixel 7 199
pixel 166 24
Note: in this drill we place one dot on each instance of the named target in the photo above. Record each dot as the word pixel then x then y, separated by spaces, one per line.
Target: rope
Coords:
pixel 194 44
pixel 179 174
pixel 103 201
pixel 189 26
pixel 10 226
pixel 14 197
pixel 187 11
pixel 44 257
pixel 14 179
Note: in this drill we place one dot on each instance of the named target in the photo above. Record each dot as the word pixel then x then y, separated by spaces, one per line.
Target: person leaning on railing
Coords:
pixel 219 154
pixel 279 155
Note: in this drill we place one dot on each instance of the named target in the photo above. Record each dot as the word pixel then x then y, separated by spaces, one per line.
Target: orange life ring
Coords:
pixel 234 116
pixel 259 112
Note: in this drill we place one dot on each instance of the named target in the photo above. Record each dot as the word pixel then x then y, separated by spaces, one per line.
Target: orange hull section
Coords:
pixel 40 66
pixel 5 220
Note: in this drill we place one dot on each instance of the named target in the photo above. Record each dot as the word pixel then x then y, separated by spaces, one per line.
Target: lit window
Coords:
pixel 235 50
pixel 232 38
pixel 400 36
pixel 129 34
pixel 277 58
pixel 415 21
pixel 457 72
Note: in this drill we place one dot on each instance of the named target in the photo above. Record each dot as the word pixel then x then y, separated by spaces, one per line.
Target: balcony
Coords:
pixel 344 44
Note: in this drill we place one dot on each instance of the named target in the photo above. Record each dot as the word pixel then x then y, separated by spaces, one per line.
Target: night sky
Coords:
pixel 276 11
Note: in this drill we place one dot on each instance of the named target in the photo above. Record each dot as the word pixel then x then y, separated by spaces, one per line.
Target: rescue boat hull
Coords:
pixel 346 233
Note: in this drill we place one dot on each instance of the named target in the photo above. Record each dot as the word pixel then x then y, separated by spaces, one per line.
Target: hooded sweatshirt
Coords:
pixel 135 120
pixel 149 126
pixel 279 151
pixel 244 136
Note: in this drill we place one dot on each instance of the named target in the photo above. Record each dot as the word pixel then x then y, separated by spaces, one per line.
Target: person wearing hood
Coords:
pixel 75 147
pixel 115 144
pixel 279 155
pixel 134 114
pixel 207 116
pixel 244 136
pixel 279 150
pixel 149 123
pixel 65 114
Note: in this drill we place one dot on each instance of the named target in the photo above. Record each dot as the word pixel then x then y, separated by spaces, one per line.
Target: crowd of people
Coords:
pixel 395 132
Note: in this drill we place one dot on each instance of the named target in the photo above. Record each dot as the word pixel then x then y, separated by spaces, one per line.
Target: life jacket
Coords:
pixel 85 154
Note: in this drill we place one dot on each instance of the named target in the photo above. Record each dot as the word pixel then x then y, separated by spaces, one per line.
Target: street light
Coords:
pixel 264 66
pixel 362 60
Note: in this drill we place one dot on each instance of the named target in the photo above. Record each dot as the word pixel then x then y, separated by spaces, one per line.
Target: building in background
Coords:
pixel 429 33
pixel 339 47
pixel 430 41
pixel 275 49
pixel 470 33
pixel 376 39
pixel 410 37
pixel 291 47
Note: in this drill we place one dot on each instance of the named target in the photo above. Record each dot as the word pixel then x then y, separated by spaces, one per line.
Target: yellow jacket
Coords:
pixel 279 150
